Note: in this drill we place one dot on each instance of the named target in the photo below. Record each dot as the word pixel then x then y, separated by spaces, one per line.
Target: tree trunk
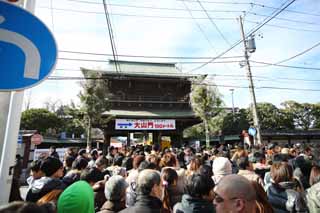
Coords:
pixel 89 135
pixel 207 133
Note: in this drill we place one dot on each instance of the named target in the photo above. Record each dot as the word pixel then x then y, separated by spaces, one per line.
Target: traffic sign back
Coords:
pixel 28 51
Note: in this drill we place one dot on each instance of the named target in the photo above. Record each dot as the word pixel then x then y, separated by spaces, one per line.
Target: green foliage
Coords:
pixel 39 119
pixel 304 115
pixel 272 118
pixel 94 97
pixel 72 120
pixel 234 124
pixel 316 114
pixel 207 104
pixel 206 101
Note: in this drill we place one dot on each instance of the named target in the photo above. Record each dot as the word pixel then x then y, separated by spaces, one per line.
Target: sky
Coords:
pixel 188 28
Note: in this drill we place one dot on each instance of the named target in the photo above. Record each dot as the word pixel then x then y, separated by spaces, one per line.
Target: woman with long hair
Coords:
pixel 313 199
pixel 262 204
pixel 170 194
pixel 282 193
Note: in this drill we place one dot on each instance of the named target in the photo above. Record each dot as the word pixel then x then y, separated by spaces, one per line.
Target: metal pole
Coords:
pixel 257 140
pixel 10 115
pixel 232 103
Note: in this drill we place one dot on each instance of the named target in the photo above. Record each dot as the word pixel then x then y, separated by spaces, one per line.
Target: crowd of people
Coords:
pixel 225 178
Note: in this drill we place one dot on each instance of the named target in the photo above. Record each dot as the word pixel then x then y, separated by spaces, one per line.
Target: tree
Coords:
pixel 207 104
pixel 316 114
pixel 302 114
pixel 39 119
pixel 72 119
pixel 94 100
pixel 235 123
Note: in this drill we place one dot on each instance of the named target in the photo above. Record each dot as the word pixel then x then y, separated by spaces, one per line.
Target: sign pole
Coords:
pixel 9 141
pixel 10 111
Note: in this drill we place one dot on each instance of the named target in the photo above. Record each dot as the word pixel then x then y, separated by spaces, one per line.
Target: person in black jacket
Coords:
pixel 283 192
pixel 199 195
pixel 149 192
pixel 53 170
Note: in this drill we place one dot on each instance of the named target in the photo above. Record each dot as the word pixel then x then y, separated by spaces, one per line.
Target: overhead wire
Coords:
pixel 185 18
pixel 144 56
pixel 224 75
pixel 202 31
pixel 287 66
pixel 111 36
pixel 207 2
pixel 214 24
pixel 218 85
pixel 294 56
pixel 255 29
pixel 176 62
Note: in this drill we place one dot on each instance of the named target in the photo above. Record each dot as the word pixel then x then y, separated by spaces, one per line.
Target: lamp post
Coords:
pixel 232 90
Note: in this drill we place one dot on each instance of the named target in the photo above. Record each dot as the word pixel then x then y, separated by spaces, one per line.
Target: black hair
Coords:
pixel 50 165
pixel 206 170
pixel 79 164
pixel 198 185
pixel 69 160
pixel 243 162
pixel 91 175
pixel 35 165
pixel 117 160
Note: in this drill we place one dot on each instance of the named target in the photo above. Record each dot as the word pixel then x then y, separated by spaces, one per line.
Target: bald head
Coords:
pixel 237 186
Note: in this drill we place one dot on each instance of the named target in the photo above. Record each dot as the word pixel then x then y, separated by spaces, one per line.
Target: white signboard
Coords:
pixel 45 152
pixel 145 124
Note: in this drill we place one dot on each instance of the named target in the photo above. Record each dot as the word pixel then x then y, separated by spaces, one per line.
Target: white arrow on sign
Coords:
pixel 32 55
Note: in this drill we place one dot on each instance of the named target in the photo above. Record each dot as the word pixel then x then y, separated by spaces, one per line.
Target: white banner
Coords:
pixel 45 152
pixel 145 124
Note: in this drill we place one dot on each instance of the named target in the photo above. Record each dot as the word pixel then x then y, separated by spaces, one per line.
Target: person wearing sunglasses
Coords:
pixel 234 194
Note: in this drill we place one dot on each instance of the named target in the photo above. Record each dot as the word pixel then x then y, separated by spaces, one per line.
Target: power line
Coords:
pixel 292 57
pixel 218 85
pixel 248 34
pixel 209 2
pixel 214 24
pixel 287 66
pixel 180 17
pixel 256 4
pixel 203 32
pixel 156 8
pixel 285 27
pixel 111 36
pixel 144 56
pixel 256 77
pixel 283 19
pixel 181 62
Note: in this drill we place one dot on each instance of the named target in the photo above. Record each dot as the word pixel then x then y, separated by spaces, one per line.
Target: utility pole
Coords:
pixel 232 90
pixel 257 139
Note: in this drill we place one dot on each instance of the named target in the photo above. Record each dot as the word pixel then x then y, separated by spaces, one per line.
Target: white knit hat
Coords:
pixel 221 166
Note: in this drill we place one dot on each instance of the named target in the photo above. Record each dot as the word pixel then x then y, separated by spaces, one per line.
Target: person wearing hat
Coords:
pixel 77 198
pixel 221 167
pixel 53 171
pixel 115 192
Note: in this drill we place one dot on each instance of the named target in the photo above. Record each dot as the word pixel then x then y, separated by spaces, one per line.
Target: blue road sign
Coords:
pixel 252 131
pixel 20 139
pixel 28 50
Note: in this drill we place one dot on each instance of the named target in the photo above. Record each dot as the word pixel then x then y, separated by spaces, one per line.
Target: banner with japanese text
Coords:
pixel 145 124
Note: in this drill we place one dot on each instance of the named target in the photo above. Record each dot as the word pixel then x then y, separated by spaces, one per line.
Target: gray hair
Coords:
pixel 146 180
pixel 115 188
